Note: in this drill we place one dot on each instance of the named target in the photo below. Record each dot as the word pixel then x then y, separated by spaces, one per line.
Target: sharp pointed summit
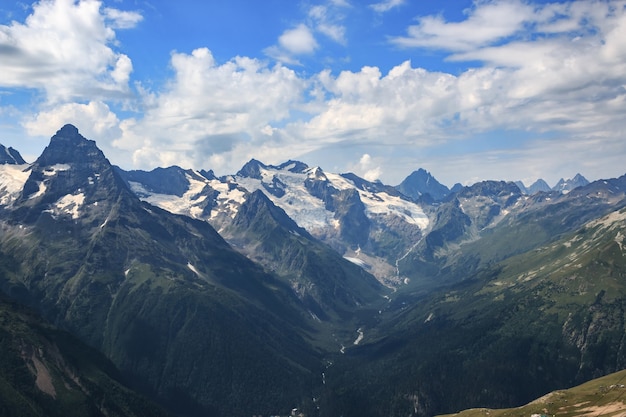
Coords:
pixel 565 186
pixel 10 156
pixel 70 178
pixel 68 146
pixel 421 182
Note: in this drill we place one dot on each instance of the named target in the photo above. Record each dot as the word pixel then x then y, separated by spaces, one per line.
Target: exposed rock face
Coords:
pixel 421 182
pixel 10 156
pixel 565 186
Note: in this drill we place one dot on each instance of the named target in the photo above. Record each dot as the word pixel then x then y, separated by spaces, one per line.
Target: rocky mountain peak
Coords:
pixel 68 146
pixel 71 177
pixel 539 185
pixel 317 174
pixel 565 186
pixel 172 180
pixel 252 169
pixel 257 204
pixel 10 156
pixel 293 166
pixel 421 182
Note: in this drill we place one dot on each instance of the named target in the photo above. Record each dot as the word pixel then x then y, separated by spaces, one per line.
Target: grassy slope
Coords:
pixel 604 396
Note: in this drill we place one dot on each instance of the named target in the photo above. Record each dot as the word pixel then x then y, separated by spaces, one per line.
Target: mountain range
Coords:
pixel 287 287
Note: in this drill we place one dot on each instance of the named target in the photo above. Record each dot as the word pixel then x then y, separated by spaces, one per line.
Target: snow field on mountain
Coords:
pixel 12 180
pixel 228 200
pixel 69 204
pixel 383 203
pixel 306 210
pixel 187 204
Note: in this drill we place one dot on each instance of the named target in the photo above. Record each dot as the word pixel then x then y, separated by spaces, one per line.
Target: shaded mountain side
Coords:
pixel 185 317
pixel 508 296
pixel 10 156
pixel 328 284
pixel 538 186
pixel 420 183
pixel 169 180
pixel 473 231
pixel 548 319
pixel 565 186
pixel 48 372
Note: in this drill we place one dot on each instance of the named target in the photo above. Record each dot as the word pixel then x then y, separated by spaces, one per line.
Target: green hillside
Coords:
pixel 548 318
pixel 45 372
pixel 605 396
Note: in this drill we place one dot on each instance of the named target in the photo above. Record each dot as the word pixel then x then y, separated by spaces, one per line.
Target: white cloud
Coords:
pixel 555 71
pixel 122 19
pixel 326 19
pixel 211 109
pixel 93 120
pixel 366 170
pixel 487 23
pixel 385 6
pixel 365 160
pixel 63 48
pixel 298 40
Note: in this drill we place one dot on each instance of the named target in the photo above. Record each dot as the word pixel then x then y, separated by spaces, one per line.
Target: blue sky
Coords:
pixel 469 90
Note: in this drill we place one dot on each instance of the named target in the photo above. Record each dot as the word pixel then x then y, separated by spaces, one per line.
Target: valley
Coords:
pixel 284 287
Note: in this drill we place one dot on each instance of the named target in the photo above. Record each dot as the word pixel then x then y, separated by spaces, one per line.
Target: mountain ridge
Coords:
pixel 118 273
pixel 149 268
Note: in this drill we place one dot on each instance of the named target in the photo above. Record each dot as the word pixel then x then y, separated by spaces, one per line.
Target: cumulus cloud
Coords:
pixel 298 40
pixel 367 170
pixel 64 49
pixel 93 120
pixel 554 70
pixel 209 109
pixel 293 43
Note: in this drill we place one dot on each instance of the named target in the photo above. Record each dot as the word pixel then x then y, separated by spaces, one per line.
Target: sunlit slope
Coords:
pixel 605 396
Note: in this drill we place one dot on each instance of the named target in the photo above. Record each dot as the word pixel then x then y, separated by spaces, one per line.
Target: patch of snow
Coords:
pixel 193 268
pixel 360 337
pixel 267 176
pixel 12 180
pixel 51 171
pixel 228 200
pixel 138 188
pixel 356 261
pixel 314 316
pixel 41 191
pixel 70 204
